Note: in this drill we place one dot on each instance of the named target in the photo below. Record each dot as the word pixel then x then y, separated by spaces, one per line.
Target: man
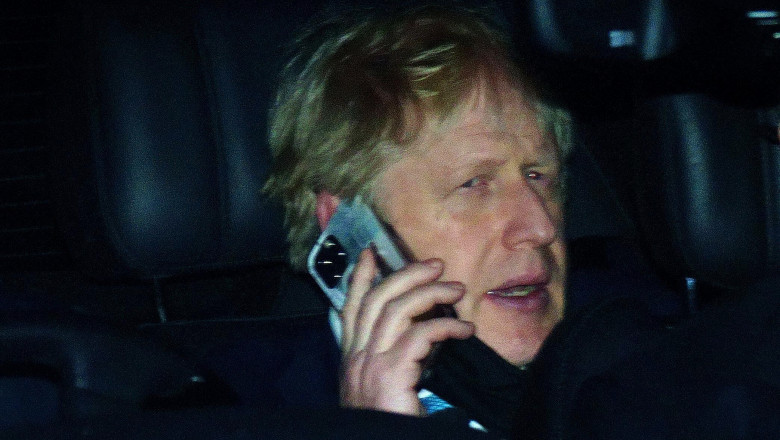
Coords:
pixel 424 114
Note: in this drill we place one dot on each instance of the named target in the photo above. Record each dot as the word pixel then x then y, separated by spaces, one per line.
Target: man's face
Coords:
pixel 482 193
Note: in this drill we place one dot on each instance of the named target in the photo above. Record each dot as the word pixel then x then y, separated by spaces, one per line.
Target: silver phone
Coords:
pixel 353 227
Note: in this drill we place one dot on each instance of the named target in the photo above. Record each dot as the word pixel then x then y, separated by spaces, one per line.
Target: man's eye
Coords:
pixel 534 175
pixel 549 183
pixel 475 182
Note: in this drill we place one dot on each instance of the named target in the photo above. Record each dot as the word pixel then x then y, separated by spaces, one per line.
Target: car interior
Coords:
pixel 143 270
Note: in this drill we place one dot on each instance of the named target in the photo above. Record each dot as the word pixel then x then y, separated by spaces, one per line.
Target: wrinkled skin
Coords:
pixel 477 201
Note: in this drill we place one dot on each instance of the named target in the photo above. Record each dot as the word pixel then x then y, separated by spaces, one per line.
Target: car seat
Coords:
pixel 157 161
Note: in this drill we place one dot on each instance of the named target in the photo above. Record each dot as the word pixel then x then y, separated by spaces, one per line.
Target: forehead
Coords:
pixel 491 113
pixel 486 137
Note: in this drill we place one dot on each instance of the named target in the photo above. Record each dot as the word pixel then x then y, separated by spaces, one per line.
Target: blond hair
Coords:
pixel 359 88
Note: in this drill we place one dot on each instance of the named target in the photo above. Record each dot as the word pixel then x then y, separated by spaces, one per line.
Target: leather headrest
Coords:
pixel 707 189
pixel 162 110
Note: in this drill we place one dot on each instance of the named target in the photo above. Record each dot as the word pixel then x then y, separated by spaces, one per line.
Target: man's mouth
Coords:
pixel 515 291
pixel 524 297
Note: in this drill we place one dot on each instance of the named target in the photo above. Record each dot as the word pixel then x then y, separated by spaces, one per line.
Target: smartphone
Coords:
pixel 353 227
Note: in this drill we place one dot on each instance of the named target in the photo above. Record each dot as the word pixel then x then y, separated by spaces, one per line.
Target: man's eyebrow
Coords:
pixel 474 161
pixel 472 165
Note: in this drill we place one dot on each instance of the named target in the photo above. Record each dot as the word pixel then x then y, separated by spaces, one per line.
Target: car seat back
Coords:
pixel 162 128
pixel 708 196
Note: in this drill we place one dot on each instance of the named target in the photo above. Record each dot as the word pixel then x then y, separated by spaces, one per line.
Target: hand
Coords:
pixel 383 345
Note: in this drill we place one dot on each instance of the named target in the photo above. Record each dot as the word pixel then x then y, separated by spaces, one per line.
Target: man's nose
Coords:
pixel 531 220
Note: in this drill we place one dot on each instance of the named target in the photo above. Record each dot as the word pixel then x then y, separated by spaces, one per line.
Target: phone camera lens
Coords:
pixel 331 261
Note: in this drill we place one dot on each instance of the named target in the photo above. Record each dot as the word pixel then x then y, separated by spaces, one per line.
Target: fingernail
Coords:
pixel 434 263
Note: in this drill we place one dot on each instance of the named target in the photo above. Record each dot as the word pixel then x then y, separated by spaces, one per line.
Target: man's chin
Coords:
pixel 517 349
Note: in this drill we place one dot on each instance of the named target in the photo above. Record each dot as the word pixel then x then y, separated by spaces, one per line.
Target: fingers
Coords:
pixel 362 280
pixel 398 314
pixel 408 281
pixel 384 342
pixel 386 380
pixel 417 342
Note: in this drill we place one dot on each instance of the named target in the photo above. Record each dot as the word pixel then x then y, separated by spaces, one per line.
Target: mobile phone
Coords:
pixel 353 227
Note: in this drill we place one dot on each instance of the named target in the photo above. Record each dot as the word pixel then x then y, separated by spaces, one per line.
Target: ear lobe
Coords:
pixel 327 204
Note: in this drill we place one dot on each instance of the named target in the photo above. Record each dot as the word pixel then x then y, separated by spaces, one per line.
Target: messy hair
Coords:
pixel 359 88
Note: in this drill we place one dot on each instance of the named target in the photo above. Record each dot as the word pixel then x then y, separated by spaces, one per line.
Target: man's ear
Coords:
pixel 327 204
